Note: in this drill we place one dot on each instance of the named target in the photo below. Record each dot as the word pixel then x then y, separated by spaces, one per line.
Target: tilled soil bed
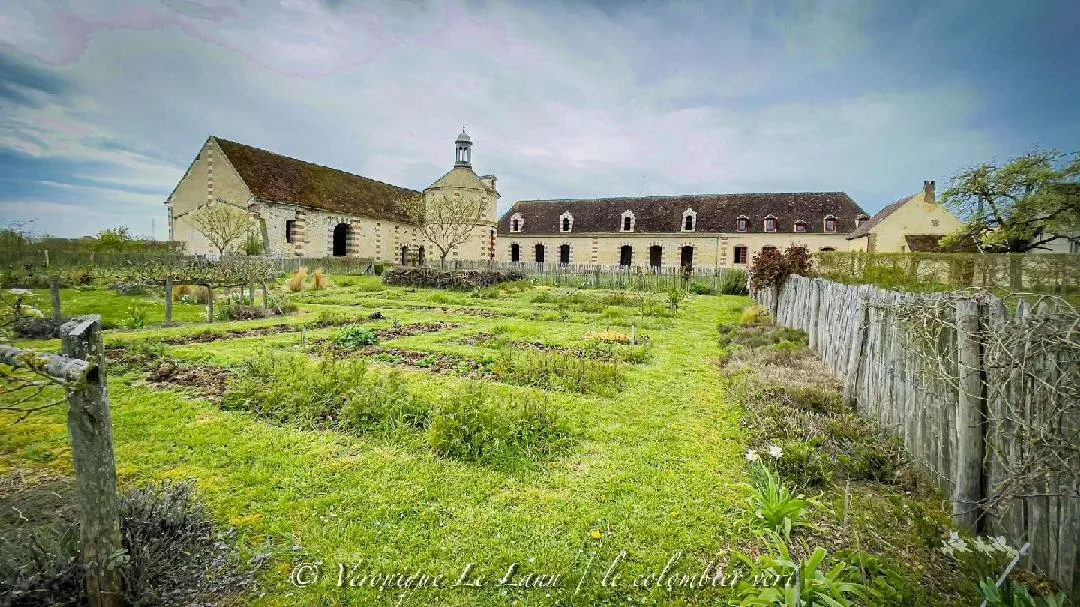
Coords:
pixel 207 380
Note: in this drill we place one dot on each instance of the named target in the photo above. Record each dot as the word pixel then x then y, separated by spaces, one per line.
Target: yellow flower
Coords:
pixel 674 513
pixel 596 534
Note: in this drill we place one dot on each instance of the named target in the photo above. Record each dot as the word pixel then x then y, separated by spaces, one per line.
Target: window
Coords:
pixel 404 255
pixel 290 225
pixel 800 226
pixel 539 253
pixel 935 222
pixel 740 254
pixel 564 253
pixel 689 220
pixel 626 224
pixel 770 224
pixel 830 223
pixel 516 221
pixel 686 257
pixel 656 255
pixel 767 248
pixel 566 222
pixel 860 219
pixel 626 255
pixel 420 256
pixel 742 224
pixel 515 252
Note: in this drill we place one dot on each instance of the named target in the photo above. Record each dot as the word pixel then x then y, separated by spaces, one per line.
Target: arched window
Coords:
pixel 741 253
pixel 770 224
pixel 689 220
pixel 566 222
pixel 626 224
pixel 742 224
pixel 539 253
pixel 341 240
pixel 626 255
pixel 516 221
pixel 564 253
pixel 800 226
pixel 830 223
pixel 515 252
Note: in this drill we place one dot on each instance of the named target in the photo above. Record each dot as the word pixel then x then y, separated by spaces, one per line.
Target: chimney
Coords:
pixel 928 191
pixel 488 180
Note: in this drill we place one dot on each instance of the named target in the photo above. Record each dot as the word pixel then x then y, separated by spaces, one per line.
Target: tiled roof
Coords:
pixel 889 209
pixel 276 178
pixel 715 212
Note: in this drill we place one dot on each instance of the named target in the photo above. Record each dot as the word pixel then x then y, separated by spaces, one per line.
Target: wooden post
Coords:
pixel 967 489
pixel 168 301
pixel 855 355
pixel 815 307
pixel 266 296
pixel 90 426
pixel 54 294
pixel 209 303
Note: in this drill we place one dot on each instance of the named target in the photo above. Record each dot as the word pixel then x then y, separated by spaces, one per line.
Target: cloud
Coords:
pixel 562 99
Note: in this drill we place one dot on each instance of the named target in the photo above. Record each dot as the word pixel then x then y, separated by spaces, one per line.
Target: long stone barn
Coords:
pixel 704 230
pixel 308 210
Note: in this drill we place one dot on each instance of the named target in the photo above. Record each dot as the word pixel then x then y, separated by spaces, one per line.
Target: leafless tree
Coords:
pixel 446 220
pixel 221 223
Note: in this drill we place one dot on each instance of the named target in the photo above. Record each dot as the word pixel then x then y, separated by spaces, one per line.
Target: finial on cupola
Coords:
pixel 463 147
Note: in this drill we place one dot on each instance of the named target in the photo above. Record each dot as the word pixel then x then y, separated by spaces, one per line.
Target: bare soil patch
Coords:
pixel 207 380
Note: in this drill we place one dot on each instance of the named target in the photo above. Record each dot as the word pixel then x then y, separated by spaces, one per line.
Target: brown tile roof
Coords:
pixel 889 209
pixel 715 212
pixel 276 178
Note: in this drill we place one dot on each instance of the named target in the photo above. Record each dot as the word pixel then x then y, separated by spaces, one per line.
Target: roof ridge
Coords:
pixel 315 164
pixel 684 196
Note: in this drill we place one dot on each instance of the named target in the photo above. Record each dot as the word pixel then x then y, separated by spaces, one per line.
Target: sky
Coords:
pixel 104 103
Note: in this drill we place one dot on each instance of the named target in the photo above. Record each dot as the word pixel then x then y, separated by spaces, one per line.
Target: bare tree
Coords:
pixel 221 223
pixel 446 220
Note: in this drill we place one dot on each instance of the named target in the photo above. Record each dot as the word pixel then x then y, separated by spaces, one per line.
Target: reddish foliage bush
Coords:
pixel 770 267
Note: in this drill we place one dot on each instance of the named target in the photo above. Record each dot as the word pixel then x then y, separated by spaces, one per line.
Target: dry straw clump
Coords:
pixel 199 293
pixel 296 282
pixel 320 280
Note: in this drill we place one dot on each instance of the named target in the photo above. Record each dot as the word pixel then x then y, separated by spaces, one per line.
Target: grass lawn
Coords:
pixel 654 468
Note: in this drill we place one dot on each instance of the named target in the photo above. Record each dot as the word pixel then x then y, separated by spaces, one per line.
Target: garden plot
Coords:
pixel 587 425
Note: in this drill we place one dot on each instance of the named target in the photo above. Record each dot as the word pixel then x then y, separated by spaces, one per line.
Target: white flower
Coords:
pixel 776 452
pixel 954 543
pixel 1002 545
pixel 752 456
pixel 20 291
pixel 983 546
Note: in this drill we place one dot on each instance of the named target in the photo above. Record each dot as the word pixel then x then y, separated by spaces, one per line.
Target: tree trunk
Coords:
pixel 90 426
pixel 1016 272
pixel 209 303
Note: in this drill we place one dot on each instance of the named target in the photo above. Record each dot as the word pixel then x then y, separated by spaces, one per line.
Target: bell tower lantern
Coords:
pixel 463 147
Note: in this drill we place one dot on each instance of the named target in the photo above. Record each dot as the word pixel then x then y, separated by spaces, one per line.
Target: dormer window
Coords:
pixel 689 220
pixel 800 226
pixel 860 219
pixel 742 224
pixel 516 221
pixel 626 223
pixel 770 224
pixel 566 222
pixel 830 223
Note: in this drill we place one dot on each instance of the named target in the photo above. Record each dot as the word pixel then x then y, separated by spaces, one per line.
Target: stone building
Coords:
pixel 707 230
pixel 913 223
pixel 308 210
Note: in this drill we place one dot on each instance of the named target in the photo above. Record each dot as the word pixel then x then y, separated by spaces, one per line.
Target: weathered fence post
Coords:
pixel 815 307
pixel 90 426
pixel 855 355
pixel 209 303
pixel 266 296
pixel 168 301
pixel 967 490
pixel 54 297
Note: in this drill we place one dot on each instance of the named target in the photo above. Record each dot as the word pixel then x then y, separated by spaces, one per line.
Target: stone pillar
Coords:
pixel 300 233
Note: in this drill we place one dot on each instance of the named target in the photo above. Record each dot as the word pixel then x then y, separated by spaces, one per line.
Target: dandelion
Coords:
pixel 776 452
pixel 752 456
pixel 595 534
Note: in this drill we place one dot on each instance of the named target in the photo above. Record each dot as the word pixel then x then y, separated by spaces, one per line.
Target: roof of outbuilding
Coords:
pixel 715 212
pixel 276 178
pixel 889 209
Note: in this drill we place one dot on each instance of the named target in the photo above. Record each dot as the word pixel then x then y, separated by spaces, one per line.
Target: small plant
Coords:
pixel 356 336
pixel 806 583
pixel 733 282
pixel 698 288
pixel 675 297
pixel 296 281
pixel 252 244
pixel 754 315
pixel 137 317
pixel 319 280
pixel 773 503
pixel 1017 595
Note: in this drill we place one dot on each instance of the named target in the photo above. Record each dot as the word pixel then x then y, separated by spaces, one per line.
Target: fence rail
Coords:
pixel 971 433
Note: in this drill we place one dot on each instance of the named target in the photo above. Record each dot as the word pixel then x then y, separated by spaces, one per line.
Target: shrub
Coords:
pixel 754 315
pixel 356 336
pixel 804 463
pixel 557 371
pixel 296 281
pixel 733 282
pixel 320 280
pixel 383 401
pixel 477 423
pixel 770 267
pixel 698 288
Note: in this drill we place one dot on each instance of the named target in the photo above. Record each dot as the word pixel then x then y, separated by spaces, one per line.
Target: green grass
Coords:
pixel 654 468
pixel 115 309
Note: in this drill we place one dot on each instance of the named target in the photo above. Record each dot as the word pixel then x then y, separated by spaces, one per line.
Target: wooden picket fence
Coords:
pixel 966 432
pixel 599 276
